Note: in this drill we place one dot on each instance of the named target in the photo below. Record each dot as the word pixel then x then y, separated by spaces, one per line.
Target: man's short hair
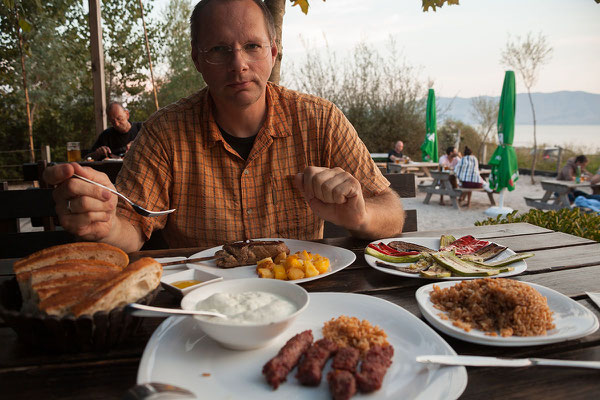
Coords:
pixel 112 104
pixel 196 14
pixel 468 151
pixel 581 159
pixel 450 150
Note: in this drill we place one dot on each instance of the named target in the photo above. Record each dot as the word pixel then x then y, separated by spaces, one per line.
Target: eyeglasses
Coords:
pixel 250 52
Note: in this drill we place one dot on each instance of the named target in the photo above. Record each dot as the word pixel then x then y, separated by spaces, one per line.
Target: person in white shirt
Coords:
pixel 450 159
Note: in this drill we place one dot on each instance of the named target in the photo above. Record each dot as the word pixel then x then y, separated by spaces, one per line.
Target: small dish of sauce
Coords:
pixel 185 284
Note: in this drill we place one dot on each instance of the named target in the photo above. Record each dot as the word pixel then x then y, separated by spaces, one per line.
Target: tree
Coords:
pixel 485 113
pixel 527 55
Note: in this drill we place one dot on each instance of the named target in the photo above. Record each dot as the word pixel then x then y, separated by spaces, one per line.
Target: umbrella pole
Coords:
pixel 500 209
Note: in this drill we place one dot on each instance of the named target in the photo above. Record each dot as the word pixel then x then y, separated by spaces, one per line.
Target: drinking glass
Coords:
pixel 73 151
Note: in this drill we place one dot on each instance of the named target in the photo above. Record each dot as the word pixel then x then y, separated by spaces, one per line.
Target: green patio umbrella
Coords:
pixel 505 170
pixel 429 148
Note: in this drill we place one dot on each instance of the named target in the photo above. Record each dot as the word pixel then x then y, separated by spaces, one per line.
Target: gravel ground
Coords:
pixel 434 216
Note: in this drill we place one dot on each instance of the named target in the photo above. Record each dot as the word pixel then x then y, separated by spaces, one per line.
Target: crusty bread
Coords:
pixel 80 250
pixel 60 303
pixel 42 290
pixel 131 284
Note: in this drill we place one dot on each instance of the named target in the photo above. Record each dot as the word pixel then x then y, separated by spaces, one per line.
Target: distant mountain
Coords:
pixel 558 108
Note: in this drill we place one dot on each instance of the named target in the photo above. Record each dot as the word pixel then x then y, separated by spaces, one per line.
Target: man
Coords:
pixel 395 155
pixel 116 140
pixel 450 159
pixel 240 159
pixel 568 172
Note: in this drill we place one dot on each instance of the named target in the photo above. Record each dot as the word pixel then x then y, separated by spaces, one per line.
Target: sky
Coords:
pixel 457 47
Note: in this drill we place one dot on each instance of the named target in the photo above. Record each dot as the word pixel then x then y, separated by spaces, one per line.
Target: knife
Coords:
pixel 191 260
pixel 478 361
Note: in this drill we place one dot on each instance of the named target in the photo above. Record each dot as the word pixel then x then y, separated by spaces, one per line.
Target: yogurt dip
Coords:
pixel 247 308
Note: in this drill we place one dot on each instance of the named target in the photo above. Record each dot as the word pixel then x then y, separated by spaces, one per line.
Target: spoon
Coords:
pixel 140 310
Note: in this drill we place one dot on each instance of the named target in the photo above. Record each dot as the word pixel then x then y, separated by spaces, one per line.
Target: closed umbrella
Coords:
pixel 505 170
pixel 429 148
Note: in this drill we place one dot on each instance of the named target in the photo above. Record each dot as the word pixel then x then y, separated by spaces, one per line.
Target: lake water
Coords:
pixel 585 137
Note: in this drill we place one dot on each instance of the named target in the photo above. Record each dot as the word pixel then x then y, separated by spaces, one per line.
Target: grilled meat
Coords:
pixel 374 367
pixel 277 368
pixel 342 384
pixel 405 246
pixel 250 252
pixel 311 367
pixel 346 358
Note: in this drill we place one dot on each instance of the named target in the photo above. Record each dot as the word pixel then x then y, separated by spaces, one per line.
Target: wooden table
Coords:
pixel 418 168
pixel 441 185
pixel 568 264
pixel 557 194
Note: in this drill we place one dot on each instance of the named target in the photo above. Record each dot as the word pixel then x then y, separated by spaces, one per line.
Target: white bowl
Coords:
pixel 246 337
pixel 189 274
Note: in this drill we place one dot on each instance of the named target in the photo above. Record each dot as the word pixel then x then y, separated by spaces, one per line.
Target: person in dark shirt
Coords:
pixel 395 155
pixel 115 141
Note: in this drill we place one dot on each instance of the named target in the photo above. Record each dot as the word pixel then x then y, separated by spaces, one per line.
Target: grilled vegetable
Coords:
pixel 490 251
pixel 409 258
pixel 435 271
pixel 445 240
pixel 450 261
pixel 507 261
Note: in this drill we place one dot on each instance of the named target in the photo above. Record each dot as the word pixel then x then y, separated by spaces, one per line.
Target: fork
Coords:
pixel 152 389
pixel 138 209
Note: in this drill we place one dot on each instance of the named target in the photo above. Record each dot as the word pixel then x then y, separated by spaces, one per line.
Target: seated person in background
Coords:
pixel 116 140
pixel 395 155
pixel 467 172
pixel 568 172
pixel 450 159
pixel 241 159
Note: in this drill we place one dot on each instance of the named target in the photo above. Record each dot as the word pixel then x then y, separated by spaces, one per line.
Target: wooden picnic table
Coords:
pixel 565 263
pixel 557 194
pixel 441 185
pixel 418 168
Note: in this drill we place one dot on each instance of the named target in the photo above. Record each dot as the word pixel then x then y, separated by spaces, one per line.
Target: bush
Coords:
pixel 572 221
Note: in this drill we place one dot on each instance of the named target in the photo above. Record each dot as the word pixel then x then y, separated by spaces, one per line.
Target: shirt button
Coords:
pixel 249 211
pixel 246 172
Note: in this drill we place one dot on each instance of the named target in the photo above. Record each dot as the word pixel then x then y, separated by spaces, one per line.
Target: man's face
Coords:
pixel 454 152
pixel 236 24
pixel 119 119
pixel 399 146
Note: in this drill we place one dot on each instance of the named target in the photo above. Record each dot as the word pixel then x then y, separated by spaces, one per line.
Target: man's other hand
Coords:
pixel 334 195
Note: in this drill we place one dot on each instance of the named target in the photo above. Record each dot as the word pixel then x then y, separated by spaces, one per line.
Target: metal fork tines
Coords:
pixel 138 209
pixel 152 389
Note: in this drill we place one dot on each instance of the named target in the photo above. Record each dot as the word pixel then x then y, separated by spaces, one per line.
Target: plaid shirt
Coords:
pixel 467 170
pixel 180 160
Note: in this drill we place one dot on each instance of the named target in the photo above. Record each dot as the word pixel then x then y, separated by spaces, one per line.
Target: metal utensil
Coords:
pixel 138 209
pixel 191 260
pixel 478 361
pixel 141 310
pixel 147 391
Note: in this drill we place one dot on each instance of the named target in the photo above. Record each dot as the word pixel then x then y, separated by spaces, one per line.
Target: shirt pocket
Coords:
pixel 293 216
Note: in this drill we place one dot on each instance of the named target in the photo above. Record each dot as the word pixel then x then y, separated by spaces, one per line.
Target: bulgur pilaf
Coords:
pixel 350 331
pixel 495 305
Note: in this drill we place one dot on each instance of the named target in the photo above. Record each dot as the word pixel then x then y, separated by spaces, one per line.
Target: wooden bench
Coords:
pixel 441 185
pixel 404 185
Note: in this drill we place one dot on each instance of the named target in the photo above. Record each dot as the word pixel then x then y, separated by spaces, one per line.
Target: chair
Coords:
pixel 29 203
pixel 404 185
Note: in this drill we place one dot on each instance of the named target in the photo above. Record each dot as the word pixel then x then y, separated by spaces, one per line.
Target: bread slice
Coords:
pixel 80 250
pixel 131 284
pixel 43 290
pixel 60 303
pixel 64 270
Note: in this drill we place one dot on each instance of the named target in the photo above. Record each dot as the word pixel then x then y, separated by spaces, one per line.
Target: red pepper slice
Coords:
pixel 394 252
pixel 375 247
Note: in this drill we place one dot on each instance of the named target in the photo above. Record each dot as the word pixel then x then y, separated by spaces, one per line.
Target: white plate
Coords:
pixel 572 320
pixel 434 243
pixel 338 260
pixel 179 353
pixel 172 269
pixel 186 275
